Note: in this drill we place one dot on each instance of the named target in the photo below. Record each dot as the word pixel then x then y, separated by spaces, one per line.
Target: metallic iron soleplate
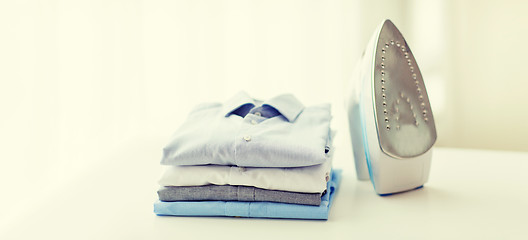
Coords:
pixel 405 121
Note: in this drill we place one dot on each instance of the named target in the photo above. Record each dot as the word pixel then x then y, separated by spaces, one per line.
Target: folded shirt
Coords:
pixel 235 193
pixel 312 179
pixel 253 209
pixel 279 132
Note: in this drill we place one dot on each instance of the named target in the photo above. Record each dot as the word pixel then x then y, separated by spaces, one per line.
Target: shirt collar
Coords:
pixel 286 104
pixel 240 99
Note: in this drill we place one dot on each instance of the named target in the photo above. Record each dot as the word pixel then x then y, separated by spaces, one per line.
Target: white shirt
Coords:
pixel 279 132
pixel 310 179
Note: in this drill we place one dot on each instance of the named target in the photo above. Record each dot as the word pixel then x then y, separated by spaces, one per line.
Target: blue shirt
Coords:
pixel 253 209
pixel 279 132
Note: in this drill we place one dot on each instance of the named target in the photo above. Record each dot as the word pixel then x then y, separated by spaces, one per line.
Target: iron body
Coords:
pixel 391 122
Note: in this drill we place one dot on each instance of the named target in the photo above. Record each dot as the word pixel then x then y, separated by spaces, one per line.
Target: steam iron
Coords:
pixel 391 123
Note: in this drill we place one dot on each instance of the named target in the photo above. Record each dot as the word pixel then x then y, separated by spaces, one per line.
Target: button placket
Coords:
pixel 230 176
pixel 253 121
pixel 244 137
pixel 239 193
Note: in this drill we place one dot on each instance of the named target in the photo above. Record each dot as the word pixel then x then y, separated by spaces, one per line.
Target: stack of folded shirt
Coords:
pixel 249 158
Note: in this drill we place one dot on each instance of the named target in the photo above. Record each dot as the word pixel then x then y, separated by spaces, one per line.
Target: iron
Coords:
pixel 391 122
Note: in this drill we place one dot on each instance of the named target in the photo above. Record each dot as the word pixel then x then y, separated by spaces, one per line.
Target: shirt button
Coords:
pixel 247 138
pixel 254 122
pixel 258 114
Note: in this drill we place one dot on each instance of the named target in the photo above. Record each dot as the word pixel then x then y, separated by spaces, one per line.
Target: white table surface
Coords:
pixel 471 194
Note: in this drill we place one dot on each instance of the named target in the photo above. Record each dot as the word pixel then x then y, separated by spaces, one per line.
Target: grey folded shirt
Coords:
pixel 235 193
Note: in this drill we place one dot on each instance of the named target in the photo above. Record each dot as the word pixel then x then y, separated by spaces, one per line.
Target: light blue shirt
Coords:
pixel 279 132
pixel 253 209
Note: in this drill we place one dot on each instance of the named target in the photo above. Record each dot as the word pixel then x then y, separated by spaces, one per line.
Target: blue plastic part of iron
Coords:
pixel 364 134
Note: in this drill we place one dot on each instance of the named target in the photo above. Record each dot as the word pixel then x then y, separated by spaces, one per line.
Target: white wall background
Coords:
pixel 82 81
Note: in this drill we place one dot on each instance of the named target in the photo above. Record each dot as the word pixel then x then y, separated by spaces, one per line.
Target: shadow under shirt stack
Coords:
pixel 250 158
